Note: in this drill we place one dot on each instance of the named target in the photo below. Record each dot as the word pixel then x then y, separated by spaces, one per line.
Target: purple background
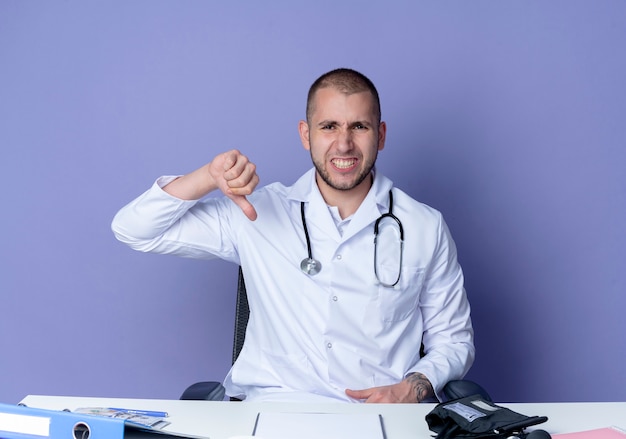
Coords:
pixel 509 117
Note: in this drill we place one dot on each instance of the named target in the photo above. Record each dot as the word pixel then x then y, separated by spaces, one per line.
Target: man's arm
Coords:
pixel 157 221
pixel 414 388
pixel 448 335
pixel 231 172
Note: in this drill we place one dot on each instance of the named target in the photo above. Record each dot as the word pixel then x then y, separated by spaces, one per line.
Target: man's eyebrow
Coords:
pixel 363 123
pixel 351 124
pixel 327 122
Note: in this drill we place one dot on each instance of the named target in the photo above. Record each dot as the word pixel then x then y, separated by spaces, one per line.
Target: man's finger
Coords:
pixel 358 394
pixel 247 207
pixel 230 158
pixel 245 177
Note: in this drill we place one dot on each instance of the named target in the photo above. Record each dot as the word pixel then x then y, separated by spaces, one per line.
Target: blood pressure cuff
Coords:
pixel 473 417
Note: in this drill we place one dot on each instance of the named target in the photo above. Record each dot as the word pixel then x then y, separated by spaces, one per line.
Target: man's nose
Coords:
pixel 344 140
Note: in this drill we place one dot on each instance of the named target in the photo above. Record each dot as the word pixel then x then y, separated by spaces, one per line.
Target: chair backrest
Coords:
pixel 242 313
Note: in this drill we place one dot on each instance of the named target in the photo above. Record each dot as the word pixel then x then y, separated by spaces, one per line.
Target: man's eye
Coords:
pixel 360 127
pixel 327 127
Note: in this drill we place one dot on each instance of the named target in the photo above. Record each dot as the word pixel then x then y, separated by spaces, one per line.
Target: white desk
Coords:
pixel 221 420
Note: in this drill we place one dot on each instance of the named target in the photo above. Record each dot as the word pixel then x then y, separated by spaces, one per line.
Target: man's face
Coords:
pixel 343 136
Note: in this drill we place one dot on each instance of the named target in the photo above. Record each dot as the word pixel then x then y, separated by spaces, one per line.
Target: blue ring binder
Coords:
pixel 21 422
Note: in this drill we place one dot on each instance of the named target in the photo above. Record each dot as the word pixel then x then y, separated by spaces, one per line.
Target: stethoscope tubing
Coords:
pixel 389 214
pixel 312 266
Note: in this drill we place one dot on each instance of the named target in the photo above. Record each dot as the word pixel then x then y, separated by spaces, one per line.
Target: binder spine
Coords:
pixel 20 422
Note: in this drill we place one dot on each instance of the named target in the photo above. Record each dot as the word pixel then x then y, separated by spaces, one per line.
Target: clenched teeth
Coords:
pixel 343 163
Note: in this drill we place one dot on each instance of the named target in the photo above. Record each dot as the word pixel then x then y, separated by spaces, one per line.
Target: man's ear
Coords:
pixel 382 134
pixel 303 129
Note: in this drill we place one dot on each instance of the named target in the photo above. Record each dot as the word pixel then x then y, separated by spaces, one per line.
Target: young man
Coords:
pixel 334 313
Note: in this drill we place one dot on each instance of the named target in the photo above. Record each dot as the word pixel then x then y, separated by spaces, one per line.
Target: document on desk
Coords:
pixel 271 425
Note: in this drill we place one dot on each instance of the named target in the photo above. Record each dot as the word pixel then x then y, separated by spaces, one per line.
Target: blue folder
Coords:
pixel 20 422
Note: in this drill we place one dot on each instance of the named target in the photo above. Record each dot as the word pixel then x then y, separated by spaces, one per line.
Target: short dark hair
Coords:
pixel 347 81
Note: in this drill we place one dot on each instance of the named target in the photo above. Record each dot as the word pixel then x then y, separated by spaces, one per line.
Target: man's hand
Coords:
pixel 236 177
pixel 414 388
pixel 231 172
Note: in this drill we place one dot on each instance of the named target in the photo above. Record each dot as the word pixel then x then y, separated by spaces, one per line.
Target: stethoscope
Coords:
pixel 312 266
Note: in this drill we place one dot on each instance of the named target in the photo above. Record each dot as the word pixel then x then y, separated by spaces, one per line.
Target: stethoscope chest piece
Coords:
pixel 310 266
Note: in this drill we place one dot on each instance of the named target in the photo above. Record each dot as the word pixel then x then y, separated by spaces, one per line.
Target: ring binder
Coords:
pixel 21 422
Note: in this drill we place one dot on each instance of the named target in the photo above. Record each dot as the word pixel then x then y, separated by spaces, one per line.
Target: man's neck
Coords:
pixel 346 201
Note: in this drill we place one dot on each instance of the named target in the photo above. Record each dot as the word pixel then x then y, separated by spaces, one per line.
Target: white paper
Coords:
pixel 319 426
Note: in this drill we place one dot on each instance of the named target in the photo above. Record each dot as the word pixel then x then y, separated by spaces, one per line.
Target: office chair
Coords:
pixel 214 391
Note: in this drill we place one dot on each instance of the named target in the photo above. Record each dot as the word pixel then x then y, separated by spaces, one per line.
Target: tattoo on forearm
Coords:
pixel 421 385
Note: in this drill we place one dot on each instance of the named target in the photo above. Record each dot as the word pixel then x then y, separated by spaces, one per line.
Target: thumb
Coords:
pixel 358 394
pixel 245 205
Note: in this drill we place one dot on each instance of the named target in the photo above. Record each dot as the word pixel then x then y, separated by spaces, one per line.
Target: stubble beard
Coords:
pixel 346 186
